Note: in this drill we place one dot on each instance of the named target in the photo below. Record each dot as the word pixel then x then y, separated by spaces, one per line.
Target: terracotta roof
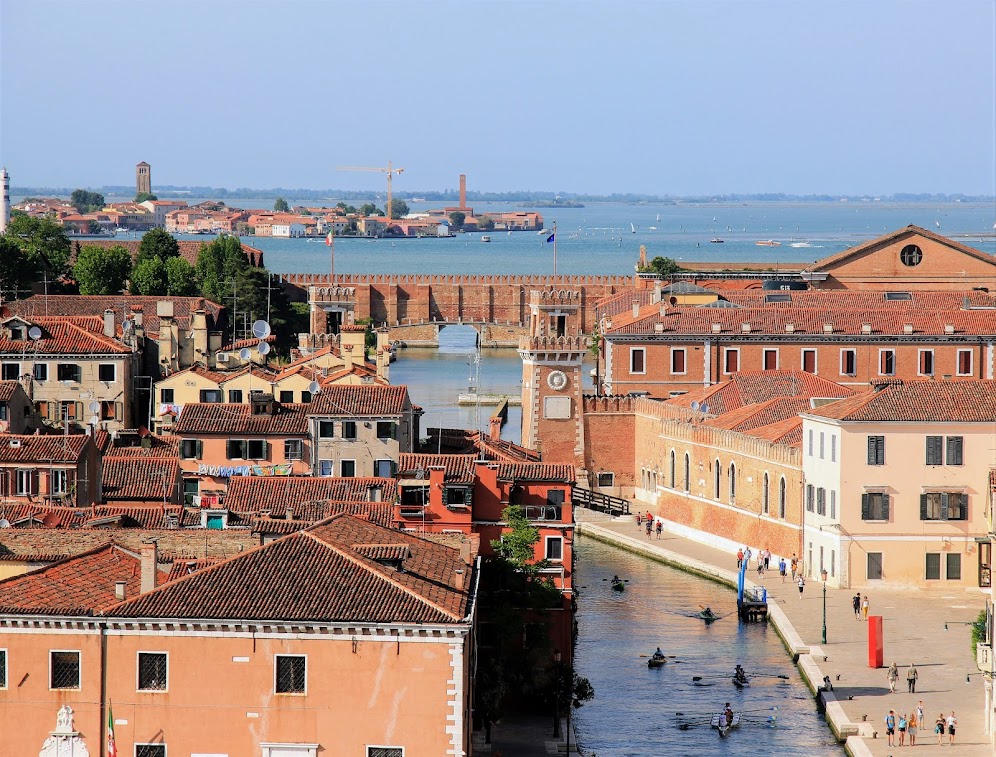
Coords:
pixel 44 545
pixel 357 400
pixel 218 377
pixel 305 514
pixel 458 468
pixel 37 515
pixel 927 401
pixel 554 472
pixel 79 585
pixel 181 568
pixel 458 441
pixel 255 493
pixel 7 390
pixel 751 387
pixel 787 431
pixel 749 417
pixel 318 576
pixel 893 236
pixel 252 342
pixel 64 336
pixel 157 446
pixel 56 448
pixel 140 478
pixel 225 418
pixel 146 517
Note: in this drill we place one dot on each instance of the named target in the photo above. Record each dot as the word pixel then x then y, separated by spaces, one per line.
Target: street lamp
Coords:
pixel 824 576
pixel 556 696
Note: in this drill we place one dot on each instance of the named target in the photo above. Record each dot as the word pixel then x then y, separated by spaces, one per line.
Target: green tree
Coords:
pixel 457 218
pixel 86 202
pixel 149 277
pixel 157 243
pixel 144 197
pixel 217 265
pixel 347 209
pixel 102 270
pixel 180 279
pixel 369 209
pixel 662 266
pixel 280 205
pixel 43 242
pixel 399 208
pixel 485 223
pixel 17 271
pixel 517 544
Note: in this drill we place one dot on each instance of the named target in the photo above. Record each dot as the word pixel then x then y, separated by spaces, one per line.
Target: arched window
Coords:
pixel 764 494
pixel 781 498
pixel 717 475
pixel 688 473
pixel 672 468
pixel 733 483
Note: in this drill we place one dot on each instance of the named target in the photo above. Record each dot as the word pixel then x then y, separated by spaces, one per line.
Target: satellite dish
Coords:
pixel 94 420
pixel 314 387
pixel 127 325
pixel 94 406
pixel 264 348
pixel 35 333
pixel 244 353
pixel 4 523
pixel 695 405
pixel 260 329
pixel 704 408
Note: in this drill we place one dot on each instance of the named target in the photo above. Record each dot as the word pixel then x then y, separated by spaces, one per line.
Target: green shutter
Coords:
pixel 885 507
pixel 200 449
pixel 871 450
pixel 923 507
pixel 954 450
pixel 446 495
pixel 944 506
pixel 864 506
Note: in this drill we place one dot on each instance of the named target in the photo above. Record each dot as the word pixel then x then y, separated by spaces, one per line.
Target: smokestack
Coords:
pixel 463 191
pixel 109 323
pixel 4 200
pixel 150 565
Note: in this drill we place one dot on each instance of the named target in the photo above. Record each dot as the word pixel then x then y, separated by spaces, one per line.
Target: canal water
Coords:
pixel 634 712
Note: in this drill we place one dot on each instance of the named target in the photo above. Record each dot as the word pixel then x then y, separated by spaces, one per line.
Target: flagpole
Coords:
pixel 332 251
pixel 554 248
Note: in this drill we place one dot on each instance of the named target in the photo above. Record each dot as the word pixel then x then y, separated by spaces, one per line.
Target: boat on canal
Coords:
pixel 618 584
pixel 720 724
pixel 707 615
pixel 656 662
pixel 741 683
pixel 767 243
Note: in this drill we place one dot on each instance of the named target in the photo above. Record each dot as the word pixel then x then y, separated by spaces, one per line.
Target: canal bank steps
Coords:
pixel 914 631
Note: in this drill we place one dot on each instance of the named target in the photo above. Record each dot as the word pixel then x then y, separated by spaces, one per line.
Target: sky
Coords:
pixel 680 98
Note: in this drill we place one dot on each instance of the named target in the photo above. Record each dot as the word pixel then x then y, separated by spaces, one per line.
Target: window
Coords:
pixel 166 396
pixel 875 506
pixel 10 371
pixel 733 483
pixel 823 444
pixel 385 751
pixel 607 479
pixel 637 360
pixel 677 360
pixel 286 396
pixel 305 396
pixel 456 496
pixel 41 371
pixel 293 449
pixel 688 473
pixel 235 396
pixel 874 566
pixel 384 468
pixel 821 501
pixel 672 469
pixel 770 360
pixel 554 548
pixel 964 363
pixel 64 670
pixel 810 498
pixel 349 430
pixel 210 395
pixel 107 372
pixel 953 566
pixel 58 482
pixel 24 481
pixel 731 360
pixel 809 361
pixel 876 450
pixel 324 467
pixel 716 476
pixel 347 468
pixel 190 449
pixel 109 410
pixel 886 362
pixel 833 563
pixel 811 433
pixel 291 674
pixel 910 255
pixel 833 503
pixel 764 495
pixel 955 446
pixel 926 367
pixel 152 671
pixel 69 372
pixel 235 449
pixel 70 410
pixel 833 448
pixel 781 498
pixel 191 488
pixel 257 449
pixel 3 668
pixel 326 429
pixel 385 429
pixel 848 363
pixel 943 506
pixel 150 750
pixel 935 450
pixel 932 566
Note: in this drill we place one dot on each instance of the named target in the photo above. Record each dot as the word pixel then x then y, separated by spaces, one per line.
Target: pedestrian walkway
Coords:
pixel 914 631
pixel 522 735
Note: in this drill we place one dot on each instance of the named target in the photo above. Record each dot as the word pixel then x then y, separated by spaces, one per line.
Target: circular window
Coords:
pixel 911 255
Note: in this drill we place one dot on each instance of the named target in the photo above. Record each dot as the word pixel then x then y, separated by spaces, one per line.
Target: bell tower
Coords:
pixel 552 357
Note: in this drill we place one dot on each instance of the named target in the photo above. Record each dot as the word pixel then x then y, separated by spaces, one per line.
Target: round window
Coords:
pixel 911 255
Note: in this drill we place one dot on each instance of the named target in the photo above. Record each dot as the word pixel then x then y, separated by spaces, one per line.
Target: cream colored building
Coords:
pixel 897 486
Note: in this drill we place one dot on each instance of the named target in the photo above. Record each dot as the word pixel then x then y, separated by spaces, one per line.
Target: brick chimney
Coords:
pixel 150 565
pixel 494 428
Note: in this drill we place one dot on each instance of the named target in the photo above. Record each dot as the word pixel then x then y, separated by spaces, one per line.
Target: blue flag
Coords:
pixel 550 238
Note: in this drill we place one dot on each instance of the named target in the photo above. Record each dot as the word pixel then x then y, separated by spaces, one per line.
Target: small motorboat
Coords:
pixel 768 243
pixel 717 240
pixel 656 662
pixel 618 585
pixel 485 238
pixel 720 724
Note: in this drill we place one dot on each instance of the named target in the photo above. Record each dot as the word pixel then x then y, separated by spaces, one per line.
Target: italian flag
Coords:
pixel 112 749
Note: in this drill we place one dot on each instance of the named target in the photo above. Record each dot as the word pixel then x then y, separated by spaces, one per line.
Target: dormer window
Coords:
pixel 17 333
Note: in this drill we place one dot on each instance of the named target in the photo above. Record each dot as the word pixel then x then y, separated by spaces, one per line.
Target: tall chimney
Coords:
pixel 463 191
pixel 4 199
pixel 383 354
pixel 150 565
pixel 109 323
pixel 198 325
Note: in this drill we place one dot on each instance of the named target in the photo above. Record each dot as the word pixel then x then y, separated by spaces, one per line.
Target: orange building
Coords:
pixel 348 638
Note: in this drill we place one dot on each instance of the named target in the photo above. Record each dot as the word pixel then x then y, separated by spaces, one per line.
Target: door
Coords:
pixel 874 566
pixel 985 563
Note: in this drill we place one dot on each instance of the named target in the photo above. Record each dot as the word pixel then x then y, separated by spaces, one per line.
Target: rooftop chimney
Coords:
pixel 657 290
pixel 636 308
pixel 289 513
pixel 866 328
pixel 109 323
pixel 907 328
pixel 119 590
pixel 150 565
pixel 949 328
pixel 717 327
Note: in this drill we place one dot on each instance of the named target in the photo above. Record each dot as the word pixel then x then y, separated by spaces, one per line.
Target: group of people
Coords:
pixel 647 522
pixel 861 606
pixel 740 674
pixel 911 724
pixel 744 555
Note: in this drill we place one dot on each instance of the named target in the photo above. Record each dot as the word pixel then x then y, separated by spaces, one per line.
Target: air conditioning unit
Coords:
pixel 222 357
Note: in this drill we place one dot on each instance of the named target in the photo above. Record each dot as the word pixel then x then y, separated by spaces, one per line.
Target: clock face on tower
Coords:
pixel 557 380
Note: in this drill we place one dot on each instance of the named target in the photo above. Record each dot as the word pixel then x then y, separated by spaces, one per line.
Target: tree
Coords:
pixel 347 209
pixel 157 243
pixel 149 277
pixel 399 208
pixel 145 197
pixel 369 209
pixel 102 270
pixel 44 244
pixel 180 279
pixel 86 202
pixel 484 223
pixel 457 218
pixel 517 545
pixel 217 265
pixel 662 266
pixel 17 271
pixel 280 205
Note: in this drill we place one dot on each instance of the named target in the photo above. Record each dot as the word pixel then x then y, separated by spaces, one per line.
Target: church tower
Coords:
pixel 143 178
pixel 4 200
pixel 552 357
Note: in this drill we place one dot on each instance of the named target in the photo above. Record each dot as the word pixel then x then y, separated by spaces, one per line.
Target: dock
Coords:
pixel 472 398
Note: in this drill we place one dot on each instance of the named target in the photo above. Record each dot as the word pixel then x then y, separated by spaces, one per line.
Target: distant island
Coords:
pixel 558 203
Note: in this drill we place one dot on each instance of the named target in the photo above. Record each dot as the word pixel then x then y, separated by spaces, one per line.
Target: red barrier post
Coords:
pixel 876 642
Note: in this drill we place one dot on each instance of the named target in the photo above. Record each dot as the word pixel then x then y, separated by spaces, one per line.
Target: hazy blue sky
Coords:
pixel 848 96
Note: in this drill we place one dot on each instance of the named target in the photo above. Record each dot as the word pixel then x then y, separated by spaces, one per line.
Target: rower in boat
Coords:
pixel 617 583
pixel 728 712
pixel 740 677
pixel 707 614
pixel 657 659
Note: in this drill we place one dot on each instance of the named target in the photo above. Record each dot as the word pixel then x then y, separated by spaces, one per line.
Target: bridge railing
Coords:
pixel 605 503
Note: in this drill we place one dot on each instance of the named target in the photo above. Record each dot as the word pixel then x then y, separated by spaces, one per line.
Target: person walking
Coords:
pixel 650 526
pixel 939 728
pixel 760 567
pixel 903 723
pixel 919 714
pixel 794 566
pixel 911 676
pixel 890 727
pixel 767 557
pixel 865 607
pixel 911 728
pixel 893 676
pixel 802 585
pixel 747 556
pixel 660 528
pixel 952 722
pixel 740 558
pixel 639 520
pixel 856 604
pixel 782 567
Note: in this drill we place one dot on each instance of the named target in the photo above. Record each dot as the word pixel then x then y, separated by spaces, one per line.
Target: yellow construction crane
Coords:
pixel 390 171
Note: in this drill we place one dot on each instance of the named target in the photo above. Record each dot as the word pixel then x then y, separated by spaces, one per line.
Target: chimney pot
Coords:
pixel 949 328
pixel 717 327
pixel 109 323
pixel 789 328
pixel 119 590
pixel 866 328
pixel 289 513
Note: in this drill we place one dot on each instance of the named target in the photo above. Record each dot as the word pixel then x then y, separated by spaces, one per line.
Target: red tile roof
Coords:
pixel 358 400
pixel 305 514
pixel 319 576
pixel 275 493
pixel 140 478
pixel 760 414
pixel 37 515
pixel 7 389
pixel 64 336
pixel 787 431
pixel 751 387
pixel 45 544
pixel 227 419
pixel 458 441
pixel 181 568
pixel 540 472
pixel 927 401
pixel 458 468
pixel 146 517
pixel 54 448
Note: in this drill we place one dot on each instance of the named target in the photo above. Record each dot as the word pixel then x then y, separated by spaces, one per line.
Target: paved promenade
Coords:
pixel 913 623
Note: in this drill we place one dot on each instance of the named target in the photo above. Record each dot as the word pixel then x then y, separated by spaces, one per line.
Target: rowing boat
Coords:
pixel 656 662
pixel 719 723
pixel 707 615
pixel 741 684
pixel 618 586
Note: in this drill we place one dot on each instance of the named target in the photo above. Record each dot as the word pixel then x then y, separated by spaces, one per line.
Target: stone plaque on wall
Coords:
pixel 557 408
